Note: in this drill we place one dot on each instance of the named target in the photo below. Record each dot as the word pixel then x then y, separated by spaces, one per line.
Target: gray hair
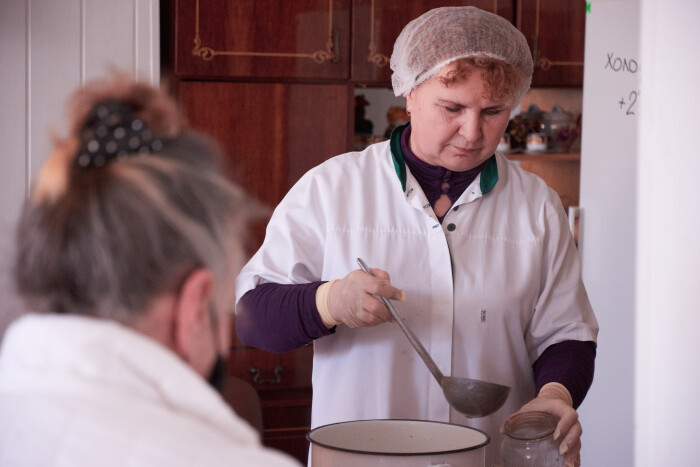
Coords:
pixel 111 239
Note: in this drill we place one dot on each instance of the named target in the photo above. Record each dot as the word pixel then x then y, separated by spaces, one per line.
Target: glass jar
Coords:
pixel 529 441
pixel 536 143
pixel 559 128
pixel 504 144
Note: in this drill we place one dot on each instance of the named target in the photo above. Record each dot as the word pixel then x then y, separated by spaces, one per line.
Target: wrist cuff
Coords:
pixel 557 390
pixel 322 304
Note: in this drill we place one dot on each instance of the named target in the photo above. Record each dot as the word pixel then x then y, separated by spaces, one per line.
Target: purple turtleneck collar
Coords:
pixel 431 177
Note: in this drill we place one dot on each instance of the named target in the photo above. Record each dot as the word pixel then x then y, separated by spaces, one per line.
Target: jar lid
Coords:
pixel 558 115
pixel 532 113
pixel 530 425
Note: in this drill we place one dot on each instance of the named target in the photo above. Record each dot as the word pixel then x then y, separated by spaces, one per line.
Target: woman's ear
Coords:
pixel 192 333
pixel 409 101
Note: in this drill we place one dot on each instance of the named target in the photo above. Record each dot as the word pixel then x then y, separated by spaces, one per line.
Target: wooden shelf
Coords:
pixel 545 156
pixel 561 171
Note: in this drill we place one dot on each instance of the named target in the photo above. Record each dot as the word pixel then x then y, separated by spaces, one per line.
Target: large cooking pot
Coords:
pixel 401 443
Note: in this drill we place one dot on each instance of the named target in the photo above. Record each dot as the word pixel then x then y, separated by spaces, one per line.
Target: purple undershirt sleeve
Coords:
pixel 570 363
pixel 280 317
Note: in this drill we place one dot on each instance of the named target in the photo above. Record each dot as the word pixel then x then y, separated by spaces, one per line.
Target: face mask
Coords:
pixel 217 375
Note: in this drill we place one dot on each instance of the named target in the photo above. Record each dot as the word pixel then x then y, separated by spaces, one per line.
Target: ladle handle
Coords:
pixel 411 337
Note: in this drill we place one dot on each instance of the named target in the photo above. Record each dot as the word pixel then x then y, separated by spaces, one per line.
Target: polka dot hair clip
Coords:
pixel 112 132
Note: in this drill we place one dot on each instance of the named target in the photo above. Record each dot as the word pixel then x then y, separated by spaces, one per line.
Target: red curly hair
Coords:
pixel 501 79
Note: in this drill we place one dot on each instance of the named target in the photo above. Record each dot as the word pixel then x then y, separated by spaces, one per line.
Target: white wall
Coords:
pixel 13 139
pixel 380 100
pixel 667 345
pixel 48 48
pixel 639 233
pixel 607 226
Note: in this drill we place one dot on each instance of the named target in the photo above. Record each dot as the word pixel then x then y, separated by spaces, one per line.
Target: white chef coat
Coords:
pixel 487 291
pixel 78 391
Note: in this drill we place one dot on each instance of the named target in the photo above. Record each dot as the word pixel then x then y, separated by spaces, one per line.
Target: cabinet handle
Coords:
pixel 256 375
pixel 335 33
pixel 536 50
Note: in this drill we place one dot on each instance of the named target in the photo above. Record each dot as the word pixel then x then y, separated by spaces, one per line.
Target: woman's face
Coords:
pixel 456 126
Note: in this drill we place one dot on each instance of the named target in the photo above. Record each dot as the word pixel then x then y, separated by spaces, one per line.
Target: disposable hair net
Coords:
pixel 443 35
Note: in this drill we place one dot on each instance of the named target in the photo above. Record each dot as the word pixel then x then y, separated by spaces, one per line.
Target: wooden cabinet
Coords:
pixel 560 171
pixel 263 38
pixel 377 23
pixel 283 383
pixel 268 79
pixel 341 39
pixel 555 31
pixel 273 132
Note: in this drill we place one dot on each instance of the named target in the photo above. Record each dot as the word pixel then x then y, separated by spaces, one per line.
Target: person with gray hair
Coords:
pixel 125 255
pixel 479 251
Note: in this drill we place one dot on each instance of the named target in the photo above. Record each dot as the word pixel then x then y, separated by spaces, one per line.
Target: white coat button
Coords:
pixel 451 227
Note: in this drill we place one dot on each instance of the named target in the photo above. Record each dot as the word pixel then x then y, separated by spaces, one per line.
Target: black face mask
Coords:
pixel 217 375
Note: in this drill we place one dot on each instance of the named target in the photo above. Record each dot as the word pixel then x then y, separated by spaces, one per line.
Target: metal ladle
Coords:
pixel 471 397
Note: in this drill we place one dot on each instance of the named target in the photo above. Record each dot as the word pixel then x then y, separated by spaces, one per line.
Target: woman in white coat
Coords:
pixel 122 250
pixel 478 250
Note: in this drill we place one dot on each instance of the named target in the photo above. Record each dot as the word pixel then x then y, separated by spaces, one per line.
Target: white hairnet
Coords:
pixel 443 35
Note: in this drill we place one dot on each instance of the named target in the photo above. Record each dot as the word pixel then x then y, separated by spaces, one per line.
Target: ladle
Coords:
pixel 471 397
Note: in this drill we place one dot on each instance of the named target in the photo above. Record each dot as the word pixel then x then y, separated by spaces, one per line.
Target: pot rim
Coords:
pixel 381 453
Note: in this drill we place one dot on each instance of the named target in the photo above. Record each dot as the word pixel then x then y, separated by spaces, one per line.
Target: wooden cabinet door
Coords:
pixel 377 23
pixel 283 384
pixel 272 133
pixel 262 38
pixel 555 31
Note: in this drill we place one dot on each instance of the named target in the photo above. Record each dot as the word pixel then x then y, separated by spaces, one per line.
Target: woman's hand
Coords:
pixel 555 399
pixel 350 299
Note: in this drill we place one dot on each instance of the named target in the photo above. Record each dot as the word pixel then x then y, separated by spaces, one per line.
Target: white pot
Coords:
pixel 401 443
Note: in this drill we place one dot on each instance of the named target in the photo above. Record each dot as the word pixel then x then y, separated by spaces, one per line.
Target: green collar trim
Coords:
pixel 489 174
pixel 397 154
